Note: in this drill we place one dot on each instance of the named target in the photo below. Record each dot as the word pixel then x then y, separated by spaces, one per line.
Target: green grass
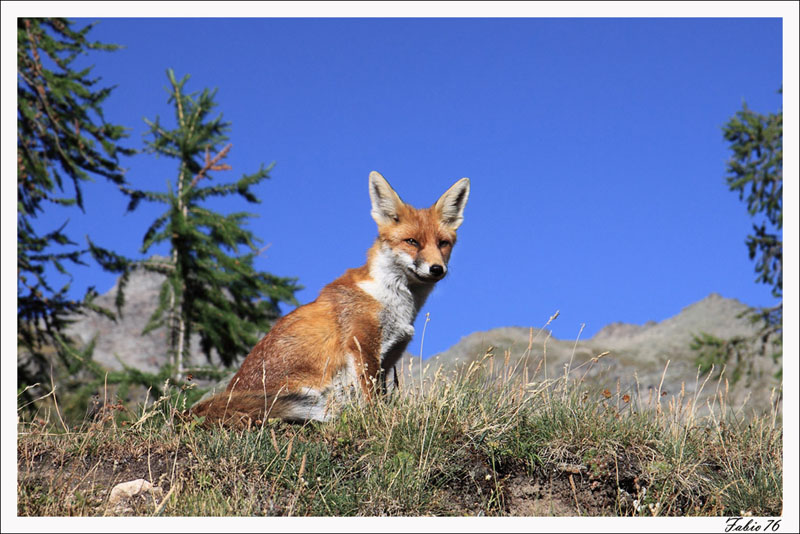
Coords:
pixel 484 442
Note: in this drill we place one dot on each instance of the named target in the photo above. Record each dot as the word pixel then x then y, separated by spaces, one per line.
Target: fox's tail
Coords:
pixel 247 408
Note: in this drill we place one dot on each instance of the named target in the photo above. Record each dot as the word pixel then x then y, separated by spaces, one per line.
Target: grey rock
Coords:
pixel 121 341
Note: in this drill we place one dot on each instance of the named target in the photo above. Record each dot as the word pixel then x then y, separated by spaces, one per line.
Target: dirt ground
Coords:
pixel 558 490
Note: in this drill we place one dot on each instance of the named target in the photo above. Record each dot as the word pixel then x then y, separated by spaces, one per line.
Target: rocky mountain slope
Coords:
pixel 635 355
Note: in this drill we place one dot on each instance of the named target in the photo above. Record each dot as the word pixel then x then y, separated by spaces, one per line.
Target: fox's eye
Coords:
pixel 444 243
pixel 413 242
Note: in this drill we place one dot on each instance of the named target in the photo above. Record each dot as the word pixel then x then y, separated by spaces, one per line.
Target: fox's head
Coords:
pixel 416 242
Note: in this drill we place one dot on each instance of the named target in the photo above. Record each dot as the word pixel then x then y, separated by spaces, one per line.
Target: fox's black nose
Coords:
pixel 437 270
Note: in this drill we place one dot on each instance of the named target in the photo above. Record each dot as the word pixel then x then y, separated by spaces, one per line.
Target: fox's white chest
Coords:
pixel 396 318
pixel 399 305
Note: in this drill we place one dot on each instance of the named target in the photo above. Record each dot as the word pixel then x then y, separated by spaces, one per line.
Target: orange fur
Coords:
pixel 351 336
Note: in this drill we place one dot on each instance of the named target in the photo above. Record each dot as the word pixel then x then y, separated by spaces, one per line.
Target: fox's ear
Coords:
pixel 385 202
pixel 451 205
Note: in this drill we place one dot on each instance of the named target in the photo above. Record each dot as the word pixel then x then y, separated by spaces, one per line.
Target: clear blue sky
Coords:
pixel 594 147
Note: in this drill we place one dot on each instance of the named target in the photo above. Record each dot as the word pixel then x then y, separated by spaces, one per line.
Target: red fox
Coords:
pixel 348 339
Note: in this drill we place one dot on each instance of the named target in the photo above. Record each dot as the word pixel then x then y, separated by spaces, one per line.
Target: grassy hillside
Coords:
pixel 489 439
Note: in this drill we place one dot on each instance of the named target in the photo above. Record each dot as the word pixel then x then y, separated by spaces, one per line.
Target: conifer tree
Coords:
pixel 212 287
pixel 62 138
pixel 755 172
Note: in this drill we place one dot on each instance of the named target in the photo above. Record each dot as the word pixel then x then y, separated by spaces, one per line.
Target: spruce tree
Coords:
pixel 63 141
pixel 212 287
pixel 755 172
